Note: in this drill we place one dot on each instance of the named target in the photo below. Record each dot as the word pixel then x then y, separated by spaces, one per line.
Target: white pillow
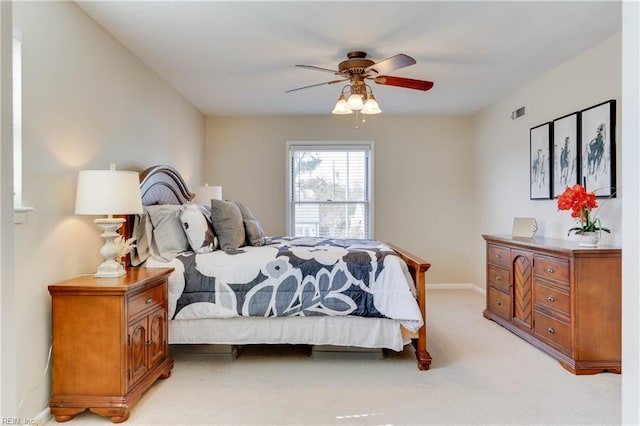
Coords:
pixel 196 228
pixel 168 237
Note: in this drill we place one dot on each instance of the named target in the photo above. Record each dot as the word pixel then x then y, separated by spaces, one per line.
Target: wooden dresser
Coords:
pixel 109 342
pixel 561 298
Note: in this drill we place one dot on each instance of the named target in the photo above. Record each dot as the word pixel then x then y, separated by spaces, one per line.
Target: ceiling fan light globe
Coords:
pixel 355 102
pixel 341 107
pixel 371 106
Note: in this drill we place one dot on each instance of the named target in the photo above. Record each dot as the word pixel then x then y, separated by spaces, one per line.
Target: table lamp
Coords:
pixel 109 192
pixel 206 193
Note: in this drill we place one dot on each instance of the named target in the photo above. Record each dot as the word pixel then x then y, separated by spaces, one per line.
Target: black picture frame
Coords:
pixel 565 154
pixel 597 149
pixel 540 173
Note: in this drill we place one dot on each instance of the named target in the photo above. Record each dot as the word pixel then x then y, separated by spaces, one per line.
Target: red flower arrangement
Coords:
pixel 581 203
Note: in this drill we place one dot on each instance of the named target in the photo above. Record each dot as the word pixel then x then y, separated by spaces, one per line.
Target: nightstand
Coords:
pixel 109 342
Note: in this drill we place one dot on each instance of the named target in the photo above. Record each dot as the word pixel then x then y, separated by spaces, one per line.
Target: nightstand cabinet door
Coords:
pixel 138 353
pixel 109 342
pixel 157 343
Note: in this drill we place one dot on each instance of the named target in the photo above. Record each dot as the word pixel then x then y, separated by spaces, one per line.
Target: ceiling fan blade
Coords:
pixel 314 68
pixel 408 83
pixel 393 63
pixel 314 85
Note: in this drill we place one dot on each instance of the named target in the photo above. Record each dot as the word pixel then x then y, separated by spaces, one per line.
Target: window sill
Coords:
pixel 20 214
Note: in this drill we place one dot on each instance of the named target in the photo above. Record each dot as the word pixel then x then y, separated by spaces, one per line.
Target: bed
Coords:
pixel 283 290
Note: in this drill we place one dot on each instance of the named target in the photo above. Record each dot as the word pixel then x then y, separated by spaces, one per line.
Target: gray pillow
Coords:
pixel 252 228
pixel 255 233
pixel 196 227
pixel 168 238
pixel 227 224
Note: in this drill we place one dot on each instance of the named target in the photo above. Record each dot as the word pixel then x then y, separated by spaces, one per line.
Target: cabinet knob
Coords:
pixel 499 302
pixel 551 299
pixel 498 278
pixel 550 270
pixel 551 330
pixel 498 256
pixel 151 343
pixel 149 301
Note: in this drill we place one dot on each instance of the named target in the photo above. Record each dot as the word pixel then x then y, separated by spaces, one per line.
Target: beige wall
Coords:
pixel 501 148
pixel 422 177
pixel 87 102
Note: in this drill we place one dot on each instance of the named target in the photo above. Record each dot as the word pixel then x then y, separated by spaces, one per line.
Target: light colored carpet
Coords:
pixel 481 374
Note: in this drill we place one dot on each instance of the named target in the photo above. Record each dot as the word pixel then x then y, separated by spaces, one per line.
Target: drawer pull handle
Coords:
pixel 551 299
pixel 149 301
pixel 151 343
pixel 551 330
pixel 550 270
pixel 498 256
pixel 499 302
pixel 498 278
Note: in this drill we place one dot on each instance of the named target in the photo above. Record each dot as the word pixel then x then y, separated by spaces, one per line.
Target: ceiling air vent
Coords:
pixel 518 113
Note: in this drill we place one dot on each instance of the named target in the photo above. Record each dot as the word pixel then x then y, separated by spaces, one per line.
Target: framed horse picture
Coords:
pixel 539 161
pixel 597 148
pixel 566 158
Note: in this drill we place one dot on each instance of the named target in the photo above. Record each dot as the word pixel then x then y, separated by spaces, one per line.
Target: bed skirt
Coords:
pixel 321 330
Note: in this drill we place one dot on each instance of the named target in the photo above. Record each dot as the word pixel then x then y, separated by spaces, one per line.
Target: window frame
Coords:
pixel 19 209
pixel 330 146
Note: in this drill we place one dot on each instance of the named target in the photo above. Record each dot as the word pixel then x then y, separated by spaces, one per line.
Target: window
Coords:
pixel 330 189
pixel 17 122
pixel 19 210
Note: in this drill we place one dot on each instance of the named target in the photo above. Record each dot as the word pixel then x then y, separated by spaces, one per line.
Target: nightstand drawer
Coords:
pixel 552 268
pixel 553 331
pixel 498 255
pixel 498 278
pixel 149 298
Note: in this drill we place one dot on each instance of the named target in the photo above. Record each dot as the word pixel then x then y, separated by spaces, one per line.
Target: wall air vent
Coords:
pixel 518 113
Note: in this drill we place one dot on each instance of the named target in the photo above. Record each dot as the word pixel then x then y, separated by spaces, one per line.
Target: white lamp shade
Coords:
pixel 108 192
pixel 371 106
pixel 206 193
pixel 341 107
pixel 355 102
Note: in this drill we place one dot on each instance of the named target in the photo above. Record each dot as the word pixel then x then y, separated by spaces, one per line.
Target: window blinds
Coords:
pixel 330 191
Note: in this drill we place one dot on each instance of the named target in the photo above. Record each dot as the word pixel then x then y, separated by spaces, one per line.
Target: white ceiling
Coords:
pixel 237 58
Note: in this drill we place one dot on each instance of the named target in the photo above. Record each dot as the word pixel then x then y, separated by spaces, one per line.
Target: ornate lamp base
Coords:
pixel 110 268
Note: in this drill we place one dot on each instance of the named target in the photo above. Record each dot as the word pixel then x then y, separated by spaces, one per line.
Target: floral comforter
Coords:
pixel 298 276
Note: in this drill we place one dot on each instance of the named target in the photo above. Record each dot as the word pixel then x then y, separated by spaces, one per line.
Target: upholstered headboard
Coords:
pixel 163 185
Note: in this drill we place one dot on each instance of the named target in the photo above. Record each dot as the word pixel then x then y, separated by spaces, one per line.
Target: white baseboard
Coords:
pixel 457 286
pixel 42 418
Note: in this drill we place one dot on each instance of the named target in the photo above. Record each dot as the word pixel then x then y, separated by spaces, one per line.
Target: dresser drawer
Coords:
pixel 552 268
pixel 548 297
pixel 498 255
pixel 553 331
pixel 499 303
pixel 152 297
pixel 498 278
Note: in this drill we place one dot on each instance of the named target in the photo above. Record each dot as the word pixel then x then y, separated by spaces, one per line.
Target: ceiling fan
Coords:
pixel 356 70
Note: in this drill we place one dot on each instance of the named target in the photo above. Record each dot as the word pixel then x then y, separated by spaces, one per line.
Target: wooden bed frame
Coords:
pixel 164 185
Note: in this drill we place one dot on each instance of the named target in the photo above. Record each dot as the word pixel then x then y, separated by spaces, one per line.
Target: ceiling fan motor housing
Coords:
pixel 356 64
